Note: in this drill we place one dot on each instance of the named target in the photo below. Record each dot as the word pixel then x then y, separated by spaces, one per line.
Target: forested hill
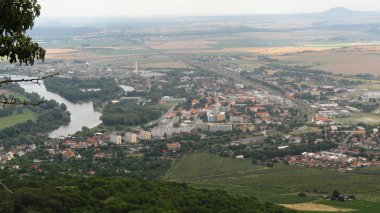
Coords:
pixel 121 195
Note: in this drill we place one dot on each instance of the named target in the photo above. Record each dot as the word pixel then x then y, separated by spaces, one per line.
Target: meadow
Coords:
pixel 12 120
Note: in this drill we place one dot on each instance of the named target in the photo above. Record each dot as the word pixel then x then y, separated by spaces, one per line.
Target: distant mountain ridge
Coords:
pixel 340 11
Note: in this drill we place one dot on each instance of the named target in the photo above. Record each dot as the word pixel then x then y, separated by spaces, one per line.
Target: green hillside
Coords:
pixel 121 195
pixel 280 184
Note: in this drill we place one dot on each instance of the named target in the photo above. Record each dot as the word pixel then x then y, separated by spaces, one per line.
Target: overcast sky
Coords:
pixel 195 7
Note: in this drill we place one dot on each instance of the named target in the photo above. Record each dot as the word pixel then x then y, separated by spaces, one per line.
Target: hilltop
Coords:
pixel 339 11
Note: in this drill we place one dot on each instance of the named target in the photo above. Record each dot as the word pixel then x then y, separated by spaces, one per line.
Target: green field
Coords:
pixel 246 64
pixel 74 44
pixel 247 42
pixel 360 117
pixel 280 184
pixel 122 52
pixel 12 120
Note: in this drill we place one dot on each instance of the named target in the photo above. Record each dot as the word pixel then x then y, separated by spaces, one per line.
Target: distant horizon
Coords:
pixel 186 8
pixel 200 15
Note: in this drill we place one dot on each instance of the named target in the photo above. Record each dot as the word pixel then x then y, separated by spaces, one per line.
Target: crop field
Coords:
pixel 180 44
pixel 250 42
pixel 120 52
pixel 278 185
pixel 165 64
pixel 12 120
pixel 348 60
pixel 188 168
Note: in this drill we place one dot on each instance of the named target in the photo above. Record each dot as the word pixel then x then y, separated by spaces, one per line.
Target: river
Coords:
pixel 82 114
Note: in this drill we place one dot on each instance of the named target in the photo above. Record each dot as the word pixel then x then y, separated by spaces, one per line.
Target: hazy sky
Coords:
pixel 195 7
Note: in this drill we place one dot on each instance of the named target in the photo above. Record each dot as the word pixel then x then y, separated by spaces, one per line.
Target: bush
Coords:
pixel 301 194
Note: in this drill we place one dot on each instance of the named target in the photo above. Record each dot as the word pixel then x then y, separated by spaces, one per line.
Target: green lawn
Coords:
pixel 280 184
pixel 12 120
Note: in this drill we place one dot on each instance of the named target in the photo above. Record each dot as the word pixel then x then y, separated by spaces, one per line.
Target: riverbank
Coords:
pixel 81 114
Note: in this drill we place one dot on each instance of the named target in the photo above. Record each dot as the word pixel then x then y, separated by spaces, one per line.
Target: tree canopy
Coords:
pixel 16 17
pixel 121 195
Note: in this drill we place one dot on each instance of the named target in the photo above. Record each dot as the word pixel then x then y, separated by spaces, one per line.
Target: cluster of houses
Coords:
pixel 326 112
pixel 332 160
pixel 244 111
pixel 357 148
pixel 14 152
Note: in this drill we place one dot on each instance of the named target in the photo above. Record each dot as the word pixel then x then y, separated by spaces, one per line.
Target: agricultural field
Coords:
pixel 165 64
pixel 12 120
pixel 279 185
pixel 361 59
pixel 250 42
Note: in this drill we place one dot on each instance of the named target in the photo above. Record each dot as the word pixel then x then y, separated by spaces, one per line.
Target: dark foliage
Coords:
pixel 71 89
pixel 122 195
pixel 130 114
pixel 16 17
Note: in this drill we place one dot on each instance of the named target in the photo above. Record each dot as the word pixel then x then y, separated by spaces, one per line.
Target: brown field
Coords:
pixel 349 60
pixel 68 54
pixel 283 50
pixel 261 50
pixel 167 64
pixel 60 51
pixel 315 207
pixel 179 45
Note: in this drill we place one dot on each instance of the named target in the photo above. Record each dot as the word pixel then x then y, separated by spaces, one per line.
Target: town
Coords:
pixel 268 109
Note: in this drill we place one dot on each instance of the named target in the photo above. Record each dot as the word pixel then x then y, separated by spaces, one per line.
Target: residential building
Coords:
pixel 116 139
pixel 131 138
pixel 145 135
pixel 236 119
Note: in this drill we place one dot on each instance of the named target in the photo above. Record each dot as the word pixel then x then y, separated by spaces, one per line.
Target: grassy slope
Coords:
pixel 278 185
pixel 12 120
pixel 361 206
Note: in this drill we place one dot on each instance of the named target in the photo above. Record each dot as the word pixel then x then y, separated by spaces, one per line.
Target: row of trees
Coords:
pixel 267 154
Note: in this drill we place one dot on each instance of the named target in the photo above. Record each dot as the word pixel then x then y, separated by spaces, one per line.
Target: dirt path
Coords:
pixel 316 207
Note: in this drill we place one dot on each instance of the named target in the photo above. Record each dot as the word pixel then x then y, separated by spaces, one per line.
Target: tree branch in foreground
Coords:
pixel 1 183
pixel 15 101
pixel 33 80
